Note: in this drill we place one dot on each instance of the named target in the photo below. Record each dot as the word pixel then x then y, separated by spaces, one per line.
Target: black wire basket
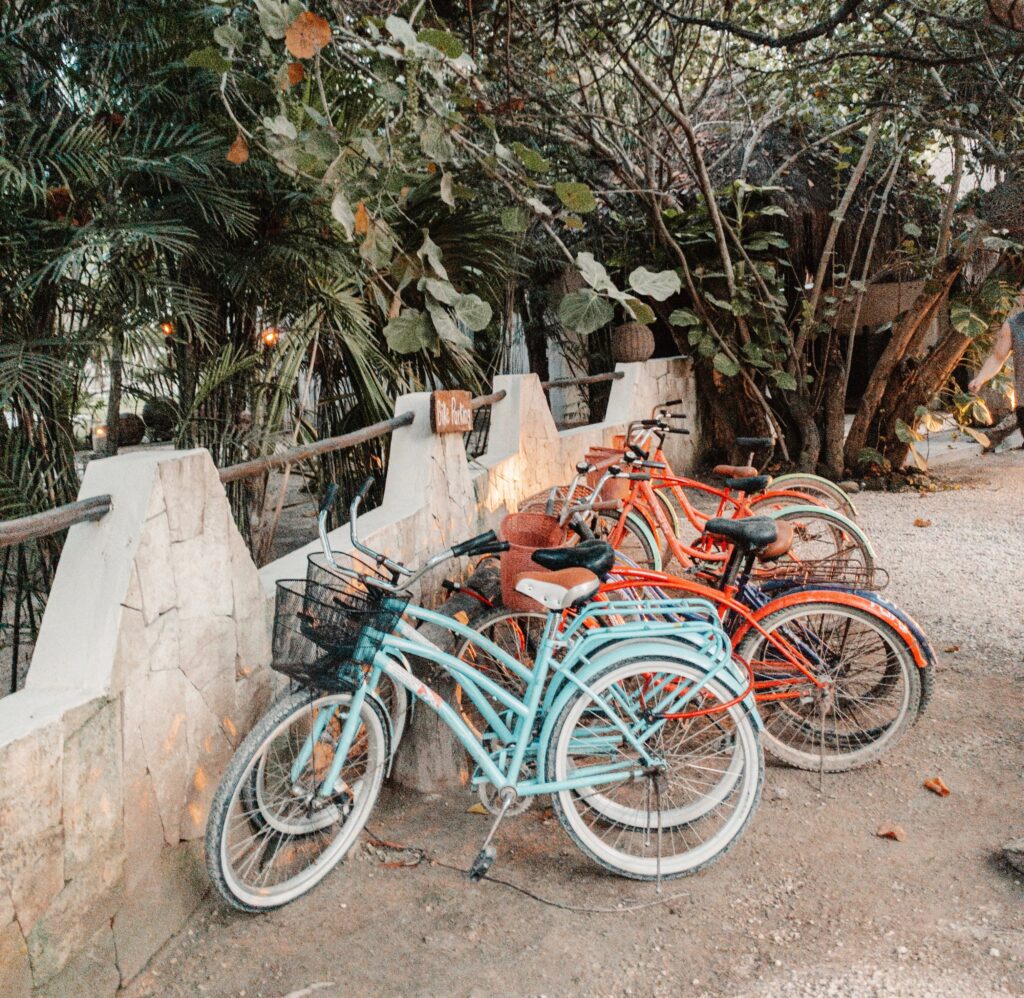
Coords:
pixel 325 636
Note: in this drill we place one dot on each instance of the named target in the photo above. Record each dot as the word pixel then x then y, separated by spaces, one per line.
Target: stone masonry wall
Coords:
pixel 103 805
pixel 151 665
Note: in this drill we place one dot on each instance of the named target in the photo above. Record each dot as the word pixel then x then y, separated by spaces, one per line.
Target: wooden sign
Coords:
pixel 451 412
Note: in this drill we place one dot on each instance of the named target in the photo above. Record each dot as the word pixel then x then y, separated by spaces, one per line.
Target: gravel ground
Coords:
pixel 809 903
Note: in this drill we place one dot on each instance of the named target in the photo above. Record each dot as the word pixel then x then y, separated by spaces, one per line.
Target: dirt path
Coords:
pixel 810 902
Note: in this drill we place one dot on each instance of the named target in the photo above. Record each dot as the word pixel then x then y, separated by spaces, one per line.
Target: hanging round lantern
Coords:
pixel 632 342
pixel 270 337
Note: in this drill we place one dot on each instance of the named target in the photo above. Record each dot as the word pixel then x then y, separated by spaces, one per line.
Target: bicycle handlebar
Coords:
pixel 329 496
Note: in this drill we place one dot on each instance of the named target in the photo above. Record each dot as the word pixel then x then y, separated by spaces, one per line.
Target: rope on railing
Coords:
pixel 27 528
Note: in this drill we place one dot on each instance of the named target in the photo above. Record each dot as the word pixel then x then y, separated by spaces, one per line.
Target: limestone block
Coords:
pixel 182 481
pixel 31 837
pixel 253 634
pixel 93 791
pixel 15 970
pixel 153 565
pixel 160 897
pixel 92 971
pixel 253 694
pixel 202 575
pixel 208 651
pixel 208 757
pixel 142 648
pixel 143 830
pixel 83 907
pixel 6 904
pixel 154 704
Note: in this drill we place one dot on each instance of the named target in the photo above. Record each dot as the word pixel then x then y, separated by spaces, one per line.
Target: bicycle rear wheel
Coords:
pixel 269 838
pixel 872 687
pixel 636 827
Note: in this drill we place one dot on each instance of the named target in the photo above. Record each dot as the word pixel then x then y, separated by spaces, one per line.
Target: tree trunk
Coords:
pixel 806 426
pixel 919 386
pixel 835 410
pixel 886 378
pixel 114 395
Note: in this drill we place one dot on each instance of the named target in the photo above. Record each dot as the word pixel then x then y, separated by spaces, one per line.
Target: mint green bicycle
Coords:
pixel 644 734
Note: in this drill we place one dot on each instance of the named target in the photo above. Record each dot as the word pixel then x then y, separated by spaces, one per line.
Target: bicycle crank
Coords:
pixel 489 798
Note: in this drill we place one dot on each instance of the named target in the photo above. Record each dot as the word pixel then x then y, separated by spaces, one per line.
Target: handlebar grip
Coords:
pixel 329 496
pixel 755 443
pixel 363 489
pixel 648 422
pixel 654 465
pixel 637 452
pixel 494 547
pixel 474 543
pixel 676 415
pixel 665 405
pixel 638 477
pixel 678 430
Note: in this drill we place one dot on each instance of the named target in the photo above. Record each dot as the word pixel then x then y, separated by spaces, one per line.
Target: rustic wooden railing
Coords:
pixel 591 379
pixel 28 528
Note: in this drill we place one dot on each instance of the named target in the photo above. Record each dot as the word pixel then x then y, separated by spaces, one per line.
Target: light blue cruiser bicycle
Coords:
pixel 641 733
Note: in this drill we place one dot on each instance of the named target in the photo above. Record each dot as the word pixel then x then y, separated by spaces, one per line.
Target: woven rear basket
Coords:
pixel 602 458
pixel 525 533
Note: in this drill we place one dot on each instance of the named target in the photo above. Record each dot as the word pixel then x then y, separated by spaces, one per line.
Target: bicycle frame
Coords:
pixel 551 681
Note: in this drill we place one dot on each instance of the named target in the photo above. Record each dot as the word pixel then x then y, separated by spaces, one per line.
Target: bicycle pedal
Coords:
pixel 483 862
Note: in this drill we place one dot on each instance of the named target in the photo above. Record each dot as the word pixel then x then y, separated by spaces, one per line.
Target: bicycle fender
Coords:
pixel 846 598
pixel 825 481
pixel 844 521
pixel 928 653
pixel 660 647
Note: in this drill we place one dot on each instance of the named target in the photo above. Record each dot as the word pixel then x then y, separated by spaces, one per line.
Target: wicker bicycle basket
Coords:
pixel 525 533
pixel 324 635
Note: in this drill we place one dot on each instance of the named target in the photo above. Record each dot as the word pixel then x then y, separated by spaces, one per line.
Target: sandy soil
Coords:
pixel 810 902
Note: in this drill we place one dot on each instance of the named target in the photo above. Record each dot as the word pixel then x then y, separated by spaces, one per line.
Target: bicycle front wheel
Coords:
pixel 826 547
pixel 818 488
pixel 270 837
pixel 638 545
pixel 661 823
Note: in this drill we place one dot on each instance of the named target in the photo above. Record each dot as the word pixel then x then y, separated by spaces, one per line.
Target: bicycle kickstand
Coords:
pixel 485 857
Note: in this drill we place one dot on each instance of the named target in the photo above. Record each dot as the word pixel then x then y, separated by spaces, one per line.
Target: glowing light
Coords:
pixel 100 432
pixel 270 336
pixel 167 327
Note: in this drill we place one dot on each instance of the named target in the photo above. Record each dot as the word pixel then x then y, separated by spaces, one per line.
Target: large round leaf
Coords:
pixel 584 311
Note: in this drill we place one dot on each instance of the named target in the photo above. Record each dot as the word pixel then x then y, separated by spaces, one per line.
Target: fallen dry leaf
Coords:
pixel 936 786
pixel 362 224
pixel 477 808
pixel 307 34
pixel 951 649
pixel 894 832
pixel 296 73
pixel 922 523
pixel 238 152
